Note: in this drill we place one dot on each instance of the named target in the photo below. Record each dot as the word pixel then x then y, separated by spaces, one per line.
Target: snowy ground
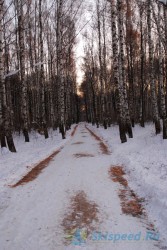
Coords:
pixel 31 216
pixel 14 166
pixel 145 161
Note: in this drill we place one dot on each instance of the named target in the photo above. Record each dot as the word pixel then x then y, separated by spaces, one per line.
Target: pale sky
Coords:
pixel 80 45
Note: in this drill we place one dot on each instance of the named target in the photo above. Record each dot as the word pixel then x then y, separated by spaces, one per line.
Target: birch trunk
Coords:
pixel 165 21
pixel 103 115
pixel 61 81
pixel 105 70
pixel 5 125
pixel 42 76
pixel 129 30
pixel 24 108
pixel 93 89
pixel 122 71
pixel 118 92
pixel 161 77
pixel 2 136
pixel 142 68
pixel 151 72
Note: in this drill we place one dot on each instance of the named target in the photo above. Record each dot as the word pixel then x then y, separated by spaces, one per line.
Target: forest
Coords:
pixel 83 124
pixel 124 66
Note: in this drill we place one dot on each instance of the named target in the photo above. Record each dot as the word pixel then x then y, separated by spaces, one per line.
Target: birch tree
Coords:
pixel 42 75
pixel 151 72
pixel 5 125
pixel 119 92
pixel 102 83
pixel 24 108
pixel 161 75
pixel 60 73
pixel 122 79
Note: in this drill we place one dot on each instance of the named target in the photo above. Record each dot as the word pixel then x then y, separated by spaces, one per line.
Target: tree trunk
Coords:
pixel 42 77
pixel 165 22
pixel 142 117
pixel 161 77
pixel 119 92
pixel 5 125
pixel 151 72
pixel 24 109
pixel 103 112
pixel 61 94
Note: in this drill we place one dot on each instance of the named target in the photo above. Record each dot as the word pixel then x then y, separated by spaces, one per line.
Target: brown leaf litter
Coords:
pixel 116 173
pixel 33 174
pixel 130 202
pixel 79 155
pixel 83 214
pixel 77 143
pixel 103 147
pixel 74 131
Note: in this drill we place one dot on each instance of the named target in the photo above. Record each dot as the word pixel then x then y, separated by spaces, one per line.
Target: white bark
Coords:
pixel 119 92
pixel 152 79
pixel 1 63
pixel 60 70
pixel 125 108
pixel 42 76
pixel 24 108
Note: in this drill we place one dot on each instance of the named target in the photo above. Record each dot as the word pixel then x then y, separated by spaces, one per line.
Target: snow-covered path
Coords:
pixel 35 212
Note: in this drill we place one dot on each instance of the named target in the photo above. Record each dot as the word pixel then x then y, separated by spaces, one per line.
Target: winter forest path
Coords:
pixel 74 192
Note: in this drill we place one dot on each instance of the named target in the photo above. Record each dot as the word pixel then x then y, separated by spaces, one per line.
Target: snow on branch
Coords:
pixel 11 73
pixel 39 63
pixel 163 2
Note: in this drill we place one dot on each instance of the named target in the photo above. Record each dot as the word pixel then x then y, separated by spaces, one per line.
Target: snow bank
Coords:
pixel 145 161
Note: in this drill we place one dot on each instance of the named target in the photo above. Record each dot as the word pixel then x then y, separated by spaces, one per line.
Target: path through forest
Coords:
pixel 77 195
